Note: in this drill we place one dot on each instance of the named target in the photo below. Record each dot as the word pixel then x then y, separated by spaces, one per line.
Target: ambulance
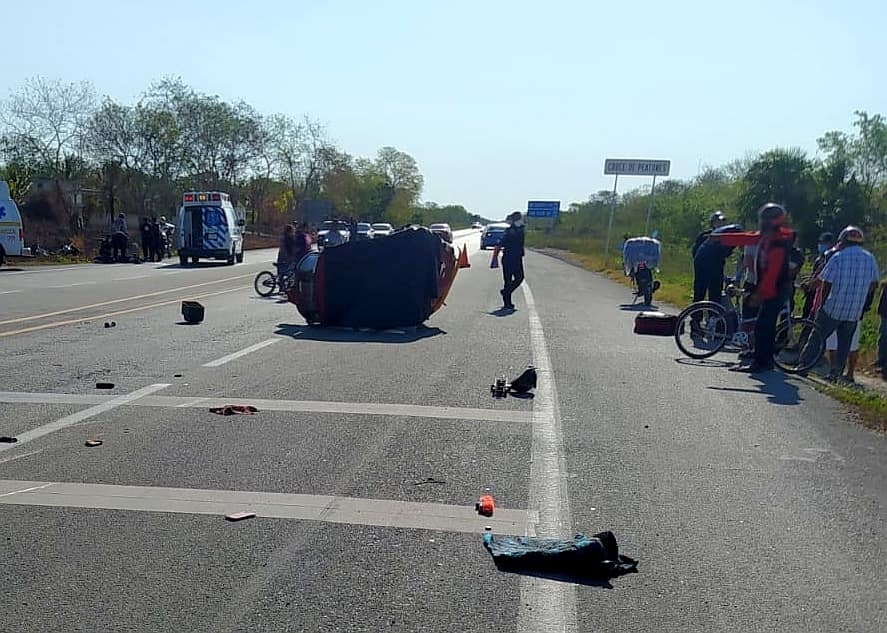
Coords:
pixel 12 235
pixel 209 227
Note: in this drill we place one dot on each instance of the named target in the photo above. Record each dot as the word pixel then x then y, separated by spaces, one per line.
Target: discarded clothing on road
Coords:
pixel 583 556
pixel 234 409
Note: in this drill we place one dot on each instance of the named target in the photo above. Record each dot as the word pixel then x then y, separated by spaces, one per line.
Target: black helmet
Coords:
pixel 827 238
pixel 773 214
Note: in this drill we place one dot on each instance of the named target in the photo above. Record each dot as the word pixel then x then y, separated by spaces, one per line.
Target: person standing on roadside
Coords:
pixel 156 241
pixel 849 280
pixel 826 243
pixel 706 255
pixel 512 246
pixel 145 238
pixel 773 284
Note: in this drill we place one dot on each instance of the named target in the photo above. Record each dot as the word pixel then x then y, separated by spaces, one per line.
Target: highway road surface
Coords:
pixel 751 504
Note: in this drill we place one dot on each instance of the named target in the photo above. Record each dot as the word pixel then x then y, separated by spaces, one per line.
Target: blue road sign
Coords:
pixel 543 209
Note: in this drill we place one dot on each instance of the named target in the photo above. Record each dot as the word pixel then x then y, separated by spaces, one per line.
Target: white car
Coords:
pixel 365 231
pixel 443 230
pixel 477 225
pixel 382 229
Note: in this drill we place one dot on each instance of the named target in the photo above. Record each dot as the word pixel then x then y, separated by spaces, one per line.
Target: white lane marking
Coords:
pixel 8 292
pixel 329 509
pixel 15 457
pixel 290 406
pixel 247 350
pixel 546 605
pixel 74 418
pixel 24 490
pixel 79 283
pixel 134 277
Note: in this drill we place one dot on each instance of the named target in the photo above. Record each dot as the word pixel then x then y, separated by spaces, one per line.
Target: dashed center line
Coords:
pixel 248 350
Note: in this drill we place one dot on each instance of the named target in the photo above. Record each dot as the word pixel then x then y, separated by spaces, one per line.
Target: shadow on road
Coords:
pixel 704 362
pixel 774 384
pixel 217 264
pixel 588 581
pixel 637 307
pixel 502 312
pixel 349 335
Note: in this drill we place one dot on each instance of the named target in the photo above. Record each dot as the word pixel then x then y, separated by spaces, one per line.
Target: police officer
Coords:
pixel 709 258
pixel 512 246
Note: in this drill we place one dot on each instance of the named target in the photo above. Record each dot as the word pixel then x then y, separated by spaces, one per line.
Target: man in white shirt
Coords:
pixel 849 277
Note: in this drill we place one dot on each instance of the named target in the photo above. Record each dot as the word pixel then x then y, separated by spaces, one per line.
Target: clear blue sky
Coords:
pixel 498 101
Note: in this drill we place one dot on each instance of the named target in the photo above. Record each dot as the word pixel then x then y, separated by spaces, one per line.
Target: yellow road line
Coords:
pixel 122 300
pixel 46 326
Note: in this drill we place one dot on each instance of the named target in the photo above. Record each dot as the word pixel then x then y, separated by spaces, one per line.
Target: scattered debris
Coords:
pixel 646 426
pixel 429 480
pixel 5 439
pixel 234 409
pixel 525 382
pixel 500 389
pixel 92 443
pixel 240 516
pixel 110 324
pixel 104 385
pixel 485 505
pixel 177 375
pixel 488 528
pixel 583 556
pixel 192 312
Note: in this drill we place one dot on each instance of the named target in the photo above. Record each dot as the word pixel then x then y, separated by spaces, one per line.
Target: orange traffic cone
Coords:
pixel 463 258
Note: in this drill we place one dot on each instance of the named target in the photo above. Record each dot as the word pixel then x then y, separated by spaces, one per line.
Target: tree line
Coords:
pixel 845 184
pixel 74 160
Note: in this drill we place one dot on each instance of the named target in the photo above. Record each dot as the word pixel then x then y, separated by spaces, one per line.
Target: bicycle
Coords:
pixel 712 326
pixel 267 282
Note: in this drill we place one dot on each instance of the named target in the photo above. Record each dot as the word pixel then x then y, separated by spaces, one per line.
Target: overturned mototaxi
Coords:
pixel 398 281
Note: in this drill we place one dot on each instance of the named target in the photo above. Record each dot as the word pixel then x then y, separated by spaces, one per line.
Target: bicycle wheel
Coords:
pixel 800 345
pixel 702 329
pixel 264 283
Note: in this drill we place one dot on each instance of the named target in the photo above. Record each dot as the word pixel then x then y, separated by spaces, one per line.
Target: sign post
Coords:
pixel 632 167
pixel 650 206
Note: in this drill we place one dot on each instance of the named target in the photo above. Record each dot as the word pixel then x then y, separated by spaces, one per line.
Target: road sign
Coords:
pixel 636 167
pixel 543 209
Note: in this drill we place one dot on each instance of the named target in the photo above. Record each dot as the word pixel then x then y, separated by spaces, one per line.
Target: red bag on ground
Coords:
pixel 655 323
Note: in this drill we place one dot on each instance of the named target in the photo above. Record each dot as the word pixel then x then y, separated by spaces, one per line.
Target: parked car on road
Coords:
pixel 443 230
pixel 365 231
pixel 477 225
pixel 382 229
pixel 492 235
pixel 342 228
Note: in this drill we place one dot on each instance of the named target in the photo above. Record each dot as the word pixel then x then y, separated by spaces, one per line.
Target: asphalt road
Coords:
pixel 752 505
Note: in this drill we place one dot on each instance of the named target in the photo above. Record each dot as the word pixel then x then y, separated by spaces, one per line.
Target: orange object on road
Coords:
pixel 463 258
pixel 485 506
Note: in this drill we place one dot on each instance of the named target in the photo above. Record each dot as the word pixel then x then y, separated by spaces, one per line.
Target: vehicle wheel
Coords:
pixel 800 345
pixel 194 259
pixel 2 256
pixel 231 257
pixel 240 256
pixel 710 336
pixel 648 297
pixel 265 283
pixel 183 260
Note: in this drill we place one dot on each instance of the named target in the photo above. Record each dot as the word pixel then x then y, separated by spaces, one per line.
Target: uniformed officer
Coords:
pixel 512 247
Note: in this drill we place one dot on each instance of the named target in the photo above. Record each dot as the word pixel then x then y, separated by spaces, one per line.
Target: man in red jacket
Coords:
pixel 774 284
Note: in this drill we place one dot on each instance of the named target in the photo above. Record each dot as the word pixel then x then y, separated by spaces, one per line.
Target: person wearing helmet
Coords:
pixel 512 246
pixel 773 285
pixel 824 250
pixel 715 220
pixel 849 280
